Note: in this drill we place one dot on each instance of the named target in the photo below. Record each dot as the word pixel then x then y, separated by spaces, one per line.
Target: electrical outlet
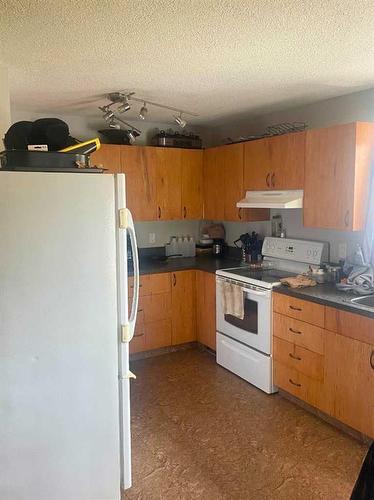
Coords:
pixel 342 251
pixel 152 237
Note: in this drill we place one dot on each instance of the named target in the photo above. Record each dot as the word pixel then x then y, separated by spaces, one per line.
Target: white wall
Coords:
pixel 5 119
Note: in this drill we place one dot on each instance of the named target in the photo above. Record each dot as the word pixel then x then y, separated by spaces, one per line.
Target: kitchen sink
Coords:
pixel 367 300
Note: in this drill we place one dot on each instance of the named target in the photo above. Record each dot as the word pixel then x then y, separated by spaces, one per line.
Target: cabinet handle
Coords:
pixel 159 212
pixel 267 180
pixel 294 357
pixel 273 179
pixel 295 331
pixel 346 219
pixel 184 212
pixel 174 279
pixel 372 359
pixel 295 308
pixel 293 383
pixel 240 213
pixel 140 310
pixel 138 334
pixel 140 285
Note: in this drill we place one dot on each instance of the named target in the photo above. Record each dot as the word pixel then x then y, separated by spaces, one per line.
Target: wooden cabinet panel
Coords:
pixel 337 170
pixel 303 387
pixel 299 309
pixel 299 333
pixel 206 308
pixel 137 343
pixel 350 325
pixel 151 284
pixel 233 158
pixel 168 183
pixel 213 174
pixel 157 334
pixel 139 165
pixel 350 381
pixel 183 307
pixel 155 307
pixel 257 167
pixel 287 161
pixel 109 157
pixel 192 184
pixel 302 360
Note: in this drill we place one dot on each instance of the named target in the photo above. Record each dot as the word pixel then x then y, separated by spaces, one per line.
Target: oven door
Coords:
pixel 254 329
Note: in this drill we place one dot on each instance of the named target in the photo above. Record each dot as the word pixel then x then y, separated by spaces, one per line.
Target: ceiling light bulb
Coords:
pixel 125 106
pixel 179 120
pixel 143 111
pixel 108 116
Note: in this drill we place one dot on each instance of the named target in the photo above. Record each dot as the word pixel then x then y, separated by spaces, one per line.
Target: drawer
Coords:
pixel 155 307
pixel 298 332
pixel 302 360
pixel 299 309
pixel 351 325
pixel 151 284
pixel 137 343
pixel 157 334
pixel 296 383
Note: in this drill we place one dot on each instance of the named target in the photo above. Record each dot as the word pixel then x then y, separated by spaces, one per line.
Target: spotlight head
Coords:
pixel 143 111
pixel 125 106
pixel 131 136
pixel 179 120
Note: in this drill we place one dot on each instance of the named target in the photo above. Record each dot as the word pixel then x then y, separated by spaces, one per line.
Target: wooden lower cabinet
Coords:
pixel 206 308
pixel 350 381
pixel 183 299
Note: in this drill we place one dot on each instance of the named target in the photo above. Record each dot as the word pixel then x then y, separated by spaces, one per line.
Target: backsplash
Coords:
pixel 163 230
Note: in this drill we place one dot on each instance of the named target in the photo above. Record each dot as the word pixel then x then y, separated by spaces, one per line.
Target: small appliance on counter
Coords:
pixel 180 246
pixel 219 247
pixel 172 139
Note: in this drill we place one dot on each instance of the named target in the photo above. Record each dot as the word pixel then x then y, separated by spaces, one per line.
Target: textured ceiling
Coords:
pixel 218 58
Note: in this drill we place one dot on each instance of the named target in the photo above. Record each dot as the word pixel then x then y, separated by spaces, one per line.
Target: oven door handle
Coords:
pixel 256 292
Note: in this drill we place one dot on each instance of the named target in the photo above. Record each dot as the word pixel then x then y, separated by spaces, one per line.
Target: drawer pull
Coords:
pixel 140 310
pixel 297 332
pixel 294 357
pixel 174 279
pixel 267 180
pixel 293 383
pixel 138 334
pixel 372 359
pixel 140 285
pixel 295 308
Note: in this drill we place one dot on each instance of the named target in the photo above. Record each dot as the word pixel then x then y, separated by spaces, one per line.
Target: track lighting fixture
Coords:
pixel 125 106
pixel 143 111
pixel 179 120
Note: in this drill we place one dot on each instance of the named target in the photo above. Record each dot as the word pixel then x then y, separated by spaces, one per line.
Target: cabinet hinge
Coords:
pixel 125 333
pixel 123 222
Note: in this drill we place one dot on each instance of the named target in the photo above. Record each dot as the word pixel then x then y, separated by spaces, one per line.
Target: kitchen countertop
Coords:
pixel 328 295
pixel 149 265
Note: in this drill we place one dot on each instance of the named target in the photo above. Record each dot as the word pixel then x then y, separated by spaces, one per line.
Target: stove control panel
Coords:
pixel 308 252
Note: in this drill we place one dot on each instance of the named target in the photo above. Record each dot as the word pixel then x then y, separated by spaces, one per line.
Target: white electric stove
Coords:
pixel 244 346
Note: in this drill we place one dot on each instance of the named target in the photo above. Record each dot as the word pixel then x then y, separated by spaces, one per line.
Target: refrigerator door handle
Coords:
pixel 131 321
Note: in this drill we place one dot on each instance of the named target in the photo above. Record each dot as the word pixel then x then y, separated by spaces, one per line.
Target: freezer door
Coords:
pixel 59 407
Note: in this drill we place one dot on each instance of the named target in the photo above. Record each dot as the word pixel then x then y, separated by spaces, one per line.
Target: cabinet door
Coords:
pixel 192 184
pixel 287 161
pixel 206 308
pixel 233 158
pixel 138 163
pixel 350 380
pixel 214 189
pixel 257 166
pixel 168 183
pixel 329 177
pixel 107 156
pixel 183 298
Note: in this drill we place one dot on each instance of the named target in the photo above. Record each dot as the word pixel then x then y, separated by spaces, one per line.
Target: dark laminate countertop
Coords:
pixel 149 265
pixel 327 294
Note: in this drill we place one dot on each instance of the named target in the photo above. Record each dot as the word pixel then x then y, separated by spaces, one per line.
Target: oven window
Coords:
pixel 250 320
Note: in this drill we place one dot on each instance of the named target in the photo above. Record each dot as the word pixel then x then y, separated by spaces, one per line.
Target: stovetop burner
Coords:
pixel 262 276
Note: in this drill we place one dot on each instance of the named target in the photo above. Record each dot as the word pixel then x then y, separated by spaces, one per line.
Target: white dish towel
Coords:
pixel 232 299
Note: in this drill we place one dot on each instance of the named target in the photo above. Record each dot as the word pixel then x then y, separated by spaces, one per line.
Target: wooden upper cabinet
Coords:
pixel 213 185
pixel 192 184
pixel 138 163
pixel 275 162
pixel 337 171
pixel 168 166
pixel 109 157
pixel 223 185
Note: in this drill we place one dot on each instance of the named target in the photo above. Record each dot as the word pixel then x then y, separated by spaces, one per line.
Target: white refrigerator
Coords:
pixel 65 328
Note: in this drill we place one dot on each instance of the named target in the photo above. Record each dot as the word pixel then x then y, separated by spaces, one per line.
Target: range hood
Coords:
pixel 272 199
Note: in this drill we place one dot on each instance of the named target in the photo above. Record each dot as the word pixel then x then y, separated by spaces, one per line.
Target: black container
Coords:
pixel 40 160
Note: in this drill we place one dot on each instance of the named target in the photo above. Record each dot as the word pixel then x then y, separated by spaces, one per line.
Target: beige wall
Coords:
pixel 4 104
